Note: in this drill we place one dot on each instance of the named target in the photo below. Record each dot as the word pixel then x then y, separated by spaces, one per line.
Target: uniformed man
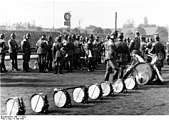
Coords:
pixel 13 51
pixel 49 54
pixel 134 45
pixel 57 54
pixel 3 50
pixel 41 51
pixel 70 48
pixel 77 53
pixel 159 50
pixel 122 50
pixel 110 58
pixel 26 52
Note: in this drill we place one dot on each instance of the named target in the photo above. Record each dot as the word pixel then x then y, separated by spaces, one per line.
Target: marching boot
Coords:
pixel 56 69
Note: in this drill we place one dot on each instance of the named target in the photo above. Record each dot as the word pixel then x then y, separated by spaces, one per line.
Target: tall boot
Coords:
pixel 115 76
pixel 107 74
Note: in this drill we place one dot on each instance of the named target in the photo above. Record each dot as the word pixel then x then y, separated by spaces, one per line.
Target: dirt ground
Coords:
pixel 146 100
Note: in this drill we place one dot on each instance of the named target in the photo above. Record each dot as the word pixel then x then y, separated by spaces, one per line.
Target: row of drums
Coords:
pixel 62 98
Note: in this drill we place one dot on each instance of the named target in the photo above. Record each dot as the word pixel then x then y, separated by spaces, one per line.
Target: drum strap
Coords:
pixel 12 107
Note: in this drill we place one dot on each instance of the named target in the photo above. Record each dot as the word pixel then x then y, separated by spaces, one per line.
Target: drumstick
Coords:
pixel 78 94
pixel 12 107
pixel 59 98
pixel 37 103
pixel 93 91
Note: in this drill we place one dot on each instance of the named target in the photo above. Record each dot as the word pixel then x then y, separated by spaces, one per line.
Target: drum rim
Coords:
pixel 135 71
pixel 99 90
pixel 82 88
pixel 15 98
pixel 65 92
pixel 31 99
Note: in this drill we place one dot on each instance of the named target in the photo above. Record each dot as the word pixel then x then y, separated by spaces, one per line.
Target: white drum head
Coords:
pixel 37 103
pixel 143 73
pixel 60 98
pixel 130 83
pixel 78 95
pixel 12 107
pixel 94 91
pixel 105 88
pixel 118 86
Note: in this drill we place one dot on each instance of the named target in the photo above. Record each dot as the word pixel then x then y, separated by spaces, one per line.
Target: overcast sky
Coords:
pixel 89 12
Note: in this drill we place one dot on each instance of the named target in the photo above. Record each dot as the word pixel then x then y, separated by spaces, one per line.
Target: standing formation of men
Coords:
pixel 74 52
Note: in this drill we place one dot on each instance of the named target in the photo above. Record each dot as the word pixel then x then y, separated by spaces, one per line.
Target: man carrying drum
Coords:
pixel 110 58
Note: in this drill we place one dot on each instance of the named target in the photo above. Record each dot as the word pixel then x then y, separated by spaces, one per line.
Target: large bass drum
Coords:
pixel 107 88
pixel 39 103
pixel 143 73
pixel 95 91
pixel 15 106
pixel 80 94
pixel 61 98
pixel 118 86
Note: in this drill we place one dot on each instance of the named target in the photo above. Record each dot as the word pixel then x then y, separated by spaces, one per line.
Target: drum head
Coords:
pixel 37 103
pixel 94 91
pixel 60 99
pixel 118 86
pixel 105 88
pixel 12 106
pixel 143 73
pixel 78 95
pixel 130 83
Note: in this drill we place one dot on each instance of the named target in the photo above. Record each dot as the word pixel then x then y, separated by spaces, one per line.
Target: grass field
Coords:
pixel 146 100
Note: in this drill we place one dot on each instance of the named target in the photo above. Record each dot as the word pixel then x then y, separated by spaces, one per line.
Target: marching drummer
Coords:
pixel 110 58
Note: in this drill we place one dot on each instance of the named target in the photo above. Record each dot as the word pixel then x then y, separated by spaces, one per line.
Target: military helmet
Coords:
pixel 2 36
pixel 13 35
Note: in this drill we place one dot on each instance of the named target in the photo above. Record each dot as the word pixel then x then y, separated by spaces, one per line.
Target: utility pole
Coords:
pixel 115 21
pixel 53 15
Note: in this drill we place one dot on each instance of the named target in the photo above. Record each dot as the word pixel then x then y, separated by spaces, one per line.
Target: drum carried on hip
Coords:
pixel 107 88
pixel 95 91
pixel 61 98
pixel 130 83
pixel 80 94
pixel 39 103
pixel 143 73
pixel 15 106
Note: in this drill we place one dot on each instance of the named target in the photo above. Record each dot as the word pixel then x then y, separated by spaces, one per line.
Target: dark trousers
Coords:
pixel 13 57
pixel 42 62
pixel 49 60
pixel 70 63
pixel 2 62
pixel 26 59
pixel 77 62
